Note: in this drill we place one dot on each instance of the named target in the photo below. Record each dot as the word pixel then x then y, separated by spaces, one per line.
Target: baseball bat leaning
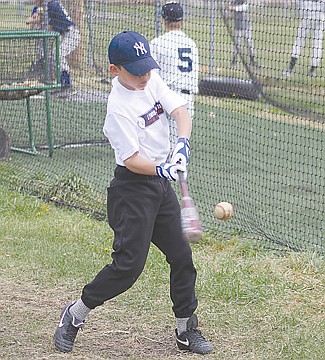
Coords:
pixel 191 224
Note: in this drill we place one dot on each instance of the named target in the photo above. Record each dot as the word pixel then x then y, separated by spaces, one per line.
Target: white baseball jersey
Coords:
pixel 136 121
pixel 177 55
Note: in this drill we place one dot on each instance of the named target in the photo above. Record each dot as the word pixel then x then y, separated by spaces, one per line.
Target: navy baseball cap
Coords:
pixel 131 50
pixel 172 12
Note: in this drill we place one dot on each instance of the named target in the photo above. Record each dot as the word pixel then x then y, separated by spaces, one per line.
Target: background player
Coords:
pixel 142 204
pixel 36 22
pixel 60 21
pixel 177 56
pixel 312 18
pixel 243 31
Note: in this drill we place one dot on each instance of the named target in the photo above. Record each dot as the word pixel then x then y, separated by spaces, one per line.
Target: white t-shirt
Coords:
pixel 136 120
pixel 177 55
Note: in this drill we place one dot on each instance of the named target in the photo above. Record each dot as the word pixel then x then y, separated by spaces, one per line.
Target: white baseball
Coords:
pixel 224 211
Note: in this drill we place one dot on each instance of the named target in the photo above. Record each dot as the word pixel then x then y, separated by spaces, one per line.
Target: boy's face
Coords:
pixel 128 80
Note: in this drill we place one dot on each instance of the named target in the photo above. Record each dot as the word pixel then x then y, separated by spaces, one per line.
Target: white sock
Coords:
pixel 79 310
pixel 181 324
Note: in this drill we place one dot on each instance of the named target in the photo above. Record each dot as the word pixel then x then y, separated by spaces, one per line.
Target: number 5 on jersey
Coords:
pixel 183 55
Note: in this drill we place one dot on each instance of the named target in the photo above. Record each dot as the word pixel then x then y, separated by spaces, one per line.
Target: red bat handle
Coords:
pixel 183 184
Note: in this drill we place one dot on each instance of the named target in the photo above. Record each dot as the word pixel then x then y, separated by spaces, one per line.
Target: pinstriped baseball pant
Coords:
pixel 69 41
pixel 143 210
pixel 316 27
pixel 244 38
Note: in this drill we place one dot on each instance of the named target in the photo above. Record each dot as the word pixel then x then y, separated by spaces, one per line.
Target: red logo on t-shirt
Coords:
pixel 152 115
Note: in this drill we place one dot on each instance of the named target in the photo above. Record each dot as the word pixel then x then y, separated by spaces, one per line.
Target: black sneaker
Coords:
pixel 312 72
pixel 67 330
pixel 192 339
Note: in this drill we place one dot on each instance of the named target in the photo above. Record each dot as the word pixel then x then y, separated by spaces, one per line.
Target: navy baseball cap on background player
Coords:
pixel 131 50
pixel 172 12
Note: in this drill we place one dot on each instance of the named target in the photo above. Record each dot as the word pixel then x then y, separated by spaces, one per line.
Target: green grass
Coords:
pixel 253 304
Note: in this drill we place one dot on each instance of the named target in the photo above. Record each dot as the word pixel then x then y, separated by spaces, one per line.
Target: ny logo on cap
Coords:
pixel 139 46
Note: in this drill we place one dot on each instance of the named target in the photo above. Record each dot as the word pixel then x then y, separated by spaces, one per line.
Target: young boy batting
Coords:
pixel 142 205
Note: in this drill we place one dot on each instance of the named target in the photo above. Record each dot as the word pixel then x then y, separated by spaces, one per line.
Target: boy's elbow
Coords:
pixel 180 111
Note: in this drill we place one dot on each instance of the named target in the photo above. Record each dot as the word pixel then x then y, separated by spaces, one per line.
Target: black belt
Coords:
pixel 122 173
pixel 184 91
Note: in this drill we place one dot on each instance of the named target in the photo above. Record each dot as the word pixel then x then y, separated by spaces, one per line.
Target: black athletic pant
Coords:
pixel 144 209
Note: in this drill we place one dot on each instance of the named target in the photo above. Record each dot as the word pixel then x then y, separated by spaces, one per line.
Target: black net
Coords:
pixel 27 63
pixel 258 137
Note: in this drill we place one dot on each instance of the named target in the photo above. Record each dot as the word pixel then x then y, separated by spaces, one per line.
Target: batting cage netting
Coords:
pixel 256 93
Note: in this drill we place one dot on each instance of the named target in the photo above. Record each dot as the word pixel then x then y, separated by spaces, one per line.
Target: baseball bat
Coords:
pixel 191 224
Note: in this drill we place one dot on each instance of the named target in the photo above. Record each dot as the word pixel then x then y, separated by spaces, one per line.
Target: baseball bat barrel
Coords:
pixel 191 224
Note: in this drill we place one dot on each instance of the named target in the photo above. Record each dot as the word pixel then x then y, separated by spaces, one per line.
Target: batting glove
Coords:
pixel 181 153
pixel 169 171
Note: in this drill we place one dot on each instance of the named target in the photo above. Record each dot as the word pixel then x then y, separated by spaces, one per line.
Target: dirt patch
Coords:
pixel 29 316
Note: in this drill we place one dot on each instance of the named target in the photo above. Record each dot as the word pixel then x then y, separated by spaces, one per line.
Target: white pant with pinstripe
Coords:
pixel 306 26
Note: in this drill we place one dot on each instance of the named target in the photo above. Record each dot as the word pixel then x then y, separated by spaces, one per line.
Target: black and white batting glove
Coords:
pixel 169 171
pixel 181 153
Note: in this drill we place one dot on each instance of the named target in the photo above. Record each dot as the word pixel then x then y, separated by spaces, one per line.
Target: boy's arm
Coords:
pixel 139 165
pixel 34 21
pixel 181 153
pixel 183 121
